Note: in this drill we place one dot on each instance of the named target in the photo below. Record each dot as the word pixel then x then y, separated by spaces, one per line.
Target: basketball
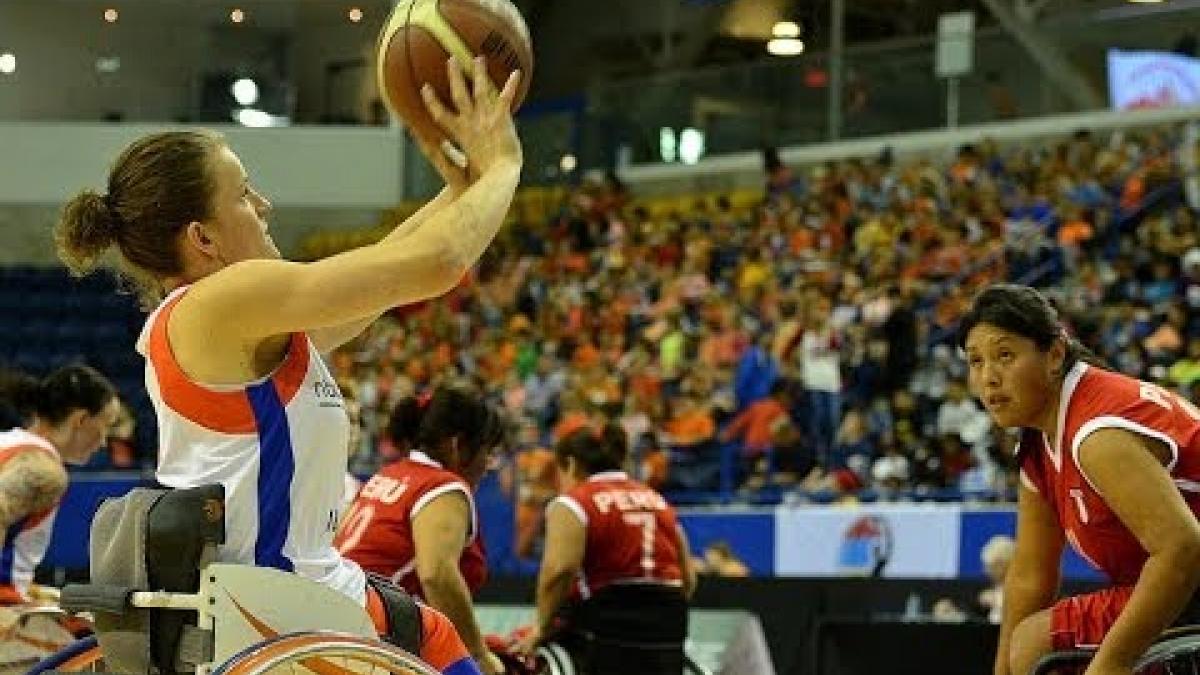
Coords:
pixel 421 35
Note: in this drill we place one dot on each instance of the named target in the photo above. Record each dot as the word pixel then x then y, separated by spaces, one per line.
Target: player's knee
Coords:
pixel 1030 642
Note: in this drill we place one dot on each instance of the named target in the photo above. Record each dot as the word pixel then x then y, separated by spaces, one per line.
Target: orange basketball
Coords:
pixel 421 35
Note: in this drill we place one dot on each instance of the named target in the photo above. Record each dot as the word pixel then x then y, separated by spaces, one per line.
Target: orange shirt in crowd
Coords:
pixel 690 428
pixel 567 423
pixel 756 425
pixel 574 320
pixel 802 240
pixel 1075 232
pixel 654 468
pixel 586 355
pixel 1134 190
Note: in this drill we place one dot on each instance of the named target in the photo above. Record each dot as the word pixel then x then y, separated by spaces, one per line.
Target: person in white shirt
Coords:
pixel 959 414
pixel 821 375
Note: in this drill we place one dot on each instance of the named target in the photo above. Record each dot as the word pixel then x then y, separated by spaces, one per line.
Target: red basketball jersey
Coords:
pixel 377 532
pixel 1094 399
pixel 631 533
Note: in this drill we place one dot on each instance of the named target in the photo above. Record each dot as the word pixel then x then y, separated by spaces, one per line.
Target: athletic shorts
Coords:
pixel 1084 620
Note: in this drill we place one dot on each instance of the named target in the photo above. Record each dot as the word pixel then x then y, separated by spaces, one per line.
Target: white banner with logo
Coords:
pixel 905 541
pixel 1152 80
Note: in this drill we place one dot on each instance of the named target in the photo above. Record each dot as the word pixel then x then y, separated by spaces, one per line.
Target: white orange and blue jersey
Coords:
pixel 278 445
pixel 25 541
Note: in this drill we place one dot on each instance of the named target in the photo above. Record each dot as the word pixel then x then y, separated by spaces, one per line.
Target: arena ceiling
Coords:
pixel 581 41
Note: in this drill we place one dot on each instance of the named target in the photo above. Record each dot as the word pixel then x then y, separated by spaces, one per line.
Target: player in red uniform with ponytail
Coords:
pixel 415 522
pixel 1108 464
pixel 616 563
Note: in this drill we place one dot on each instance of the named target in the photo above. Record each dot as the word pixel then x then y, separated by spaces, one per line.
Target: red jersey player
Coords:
pixel 1109 464
pixel 611 543
pixel 415 522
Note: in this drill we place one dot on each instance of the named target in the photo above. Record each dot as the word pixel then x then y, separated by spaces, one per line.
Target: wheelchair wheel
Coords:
pixel 325 653
pixel 554 660
pixel 1170 656
pixel 77 657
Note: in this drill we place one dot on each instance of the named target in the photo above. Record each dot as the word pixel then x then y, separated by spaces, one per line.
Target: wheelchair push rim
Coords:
pixel 323 652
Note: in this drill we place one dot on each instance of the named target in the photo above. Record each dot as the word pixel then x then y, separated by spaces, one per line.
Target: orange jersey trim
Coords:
pixel 222 411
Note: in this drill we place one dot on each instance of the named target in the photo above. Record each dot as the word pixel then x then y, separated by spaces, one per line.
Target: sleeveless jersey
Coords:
pixel 631 533
pixel 1094 399
pixel 278 445
pixel 378 532
pixel 25 541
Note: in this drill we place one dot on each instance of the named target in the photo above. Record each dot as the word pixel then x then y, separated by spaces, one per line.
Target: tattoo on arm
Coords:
pixel 28 484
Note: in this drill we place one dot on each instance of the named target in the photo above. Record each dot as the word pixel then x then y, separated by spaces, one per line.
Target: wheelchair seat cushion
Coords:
pixel 640 613
pixel 626 629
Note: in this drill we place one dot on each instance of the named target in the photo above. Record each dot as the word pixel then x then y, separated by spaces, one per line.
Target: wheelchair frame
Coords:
pixel 252 618
pixel 554 659
pixel 1174 643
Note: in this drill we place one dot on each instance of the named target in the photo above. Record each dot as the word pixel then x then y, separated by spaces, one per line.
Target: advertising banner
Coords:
pixel 906 541
pixel 1152 80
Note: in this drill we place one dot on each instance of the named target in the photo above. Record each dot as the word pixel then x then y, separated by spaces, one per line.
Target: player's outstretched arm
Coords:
pixel 328 339
pixel 271 297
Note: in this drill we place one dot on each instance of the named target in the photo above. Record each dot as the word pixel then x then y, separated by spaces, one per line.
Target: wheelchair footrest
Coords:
pixel 95 598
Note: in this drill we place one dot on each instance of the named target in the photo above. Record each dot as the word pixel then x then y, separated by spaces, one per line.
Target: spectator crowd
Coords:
pixel 798 349
pixel 804 348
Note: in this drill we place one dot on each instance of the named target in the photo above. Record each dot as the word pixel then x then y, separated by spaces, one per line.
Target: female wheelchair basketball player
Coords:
pixel 1109 464
pixel 233 349
pixel 616 572
pixel 415 521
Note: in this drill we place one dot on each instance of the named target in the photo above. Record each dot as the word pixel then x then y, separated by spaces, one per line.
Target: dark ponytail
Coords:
pixel 23 392
pixel 158 185
pixel 60 393
pixel 456 411
pixel 594 450
pixel 405 421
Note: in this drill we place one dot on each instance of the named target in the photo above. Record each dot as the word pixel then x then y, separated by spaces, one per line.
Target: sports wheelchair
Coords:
pixel 554 659
pixel 623 629
pixel 1175 652
pixel 197 616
